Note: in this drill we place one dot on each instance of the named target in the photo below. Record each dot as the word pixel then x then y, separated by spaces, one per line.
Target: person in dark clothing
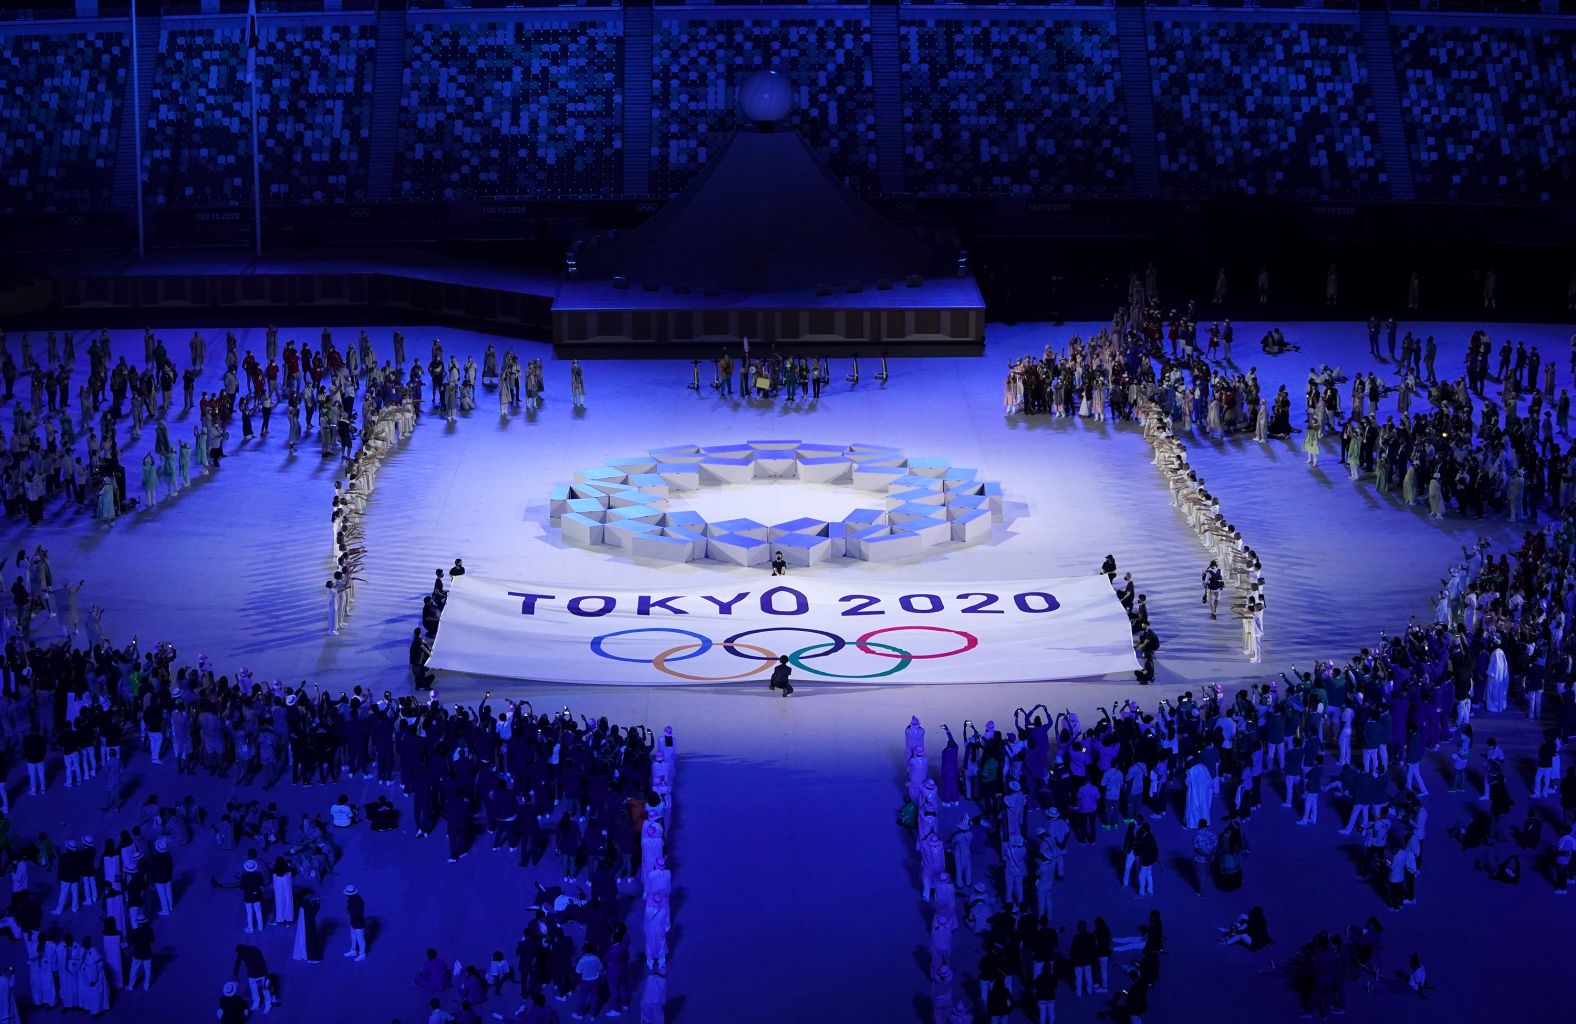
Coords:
pixel 780 677
pixel 252 885
pixel 1081 951
pixel 1131 1003
pixel 356 911
pixel 420 678
pixel 161 873
pixel 232 1008
pixel 250 960
pixel 140 940
pixel 34 750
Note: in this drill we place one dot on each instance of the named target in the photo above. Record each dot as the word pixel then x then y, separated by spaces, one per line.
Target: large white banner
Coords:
pixel 831 630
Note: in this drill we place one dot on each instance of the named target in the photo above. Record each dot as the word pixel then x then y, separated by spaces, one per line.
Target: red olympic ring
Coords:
pixel 769 660
pixel 970 642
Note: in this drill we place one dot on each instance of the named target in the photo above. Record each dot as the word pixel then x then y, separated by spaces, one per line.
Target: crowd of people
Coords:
pixel 1465 452
pixel 592 798
pixel 76 455
pixel 1122 371
pixel 765 378
pixel 995 816
pixel 511 377
pixel 1235 564
pixel 389 416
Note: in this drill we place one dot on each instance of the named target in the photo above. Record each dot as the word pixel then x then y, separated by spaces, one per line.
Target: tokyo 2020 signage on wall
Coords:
pixel 729 633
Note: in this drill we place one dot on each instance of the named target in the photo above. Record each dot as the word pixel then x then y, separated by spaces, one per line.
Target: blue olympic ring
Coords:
pixel 705 643
pixel 837 642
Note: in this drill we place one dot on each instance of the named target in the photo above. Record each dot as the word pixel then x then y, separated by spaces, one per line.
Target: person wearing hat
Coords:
pixel 161 872
pixel 356 910
pixel 1044 873
pixel 232 1008
pixel 88 854
pixel 1060 835
pixel 252 885
pixel 1015 855
pixel 963 851
pixel 657 917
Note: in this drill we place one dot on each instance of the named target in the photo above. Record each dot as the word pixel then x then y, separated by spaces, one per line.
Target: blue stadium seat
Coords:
pixel 197 142
pixel 1013 107
pixel 314 102
pixel 697 65
pixel 510 110
pixel 1264 108
pixel 1490 112
pixel 61 98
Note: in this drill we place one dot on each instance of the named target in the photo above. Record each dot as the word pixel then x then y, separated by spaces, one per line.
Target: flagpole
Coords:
pixel 257 187
pixel 136 125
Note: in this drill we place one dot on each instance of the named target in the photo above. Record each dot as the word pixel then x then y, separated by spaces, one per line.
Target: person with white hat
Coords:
pixel 161 872
pixel 88 859
pixel 963 852
pixel 656 919
pixel 662 778
pixel 232 1007
pixel 252 885
pixel 1044 874
pixel 1014 855
pixel 1060 835
pixel 356 909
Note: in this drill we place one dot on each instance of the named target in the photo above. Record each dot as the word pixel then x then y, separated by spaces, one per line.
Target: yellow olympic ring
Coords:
pixel 660 663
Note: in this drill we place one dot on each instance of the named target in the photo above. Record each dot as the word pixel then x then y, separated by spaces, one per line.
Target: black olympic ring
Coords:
pixel 837 642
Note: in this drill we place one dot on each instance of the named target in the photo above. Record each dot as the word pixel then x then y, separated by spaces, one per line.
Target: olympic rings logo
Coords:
pixel 764 658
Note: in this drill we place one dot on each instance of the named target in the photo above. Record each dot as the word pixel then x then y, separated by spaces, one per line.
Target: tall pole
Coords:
pixel 136 123
pixel 251 74
pixel 257 189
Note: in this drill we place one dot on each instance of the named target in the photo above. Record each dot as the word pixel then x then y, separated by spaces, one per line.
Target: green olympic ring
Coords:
pixel 904 660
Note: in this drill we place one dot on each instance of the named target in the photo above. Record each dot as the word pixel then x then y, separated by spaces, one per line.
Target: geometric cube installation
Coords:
pixel 916 503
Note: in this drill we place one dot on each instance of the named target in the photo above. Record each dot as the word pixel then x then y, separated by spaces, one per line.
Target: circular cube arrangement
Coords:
pixel 915 504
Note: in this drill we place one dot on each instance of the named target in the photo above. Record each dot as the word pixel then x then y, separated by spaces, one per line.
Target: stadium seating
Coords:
pixel 510 109
pixel 197 143
pixel 1264 108
pixel 1013 107
pixel 314 101
pixel 1490 112
pixel 60 112
pixel 991 102
pixel 697 66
